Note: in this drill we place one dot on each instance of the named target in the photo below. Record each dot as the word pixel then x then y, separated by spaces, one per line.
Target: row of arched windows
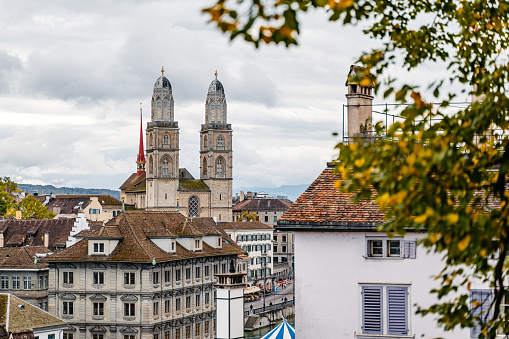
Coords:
pixel 220 166
pixel 220 142
pixel 166 167
pixel 166 140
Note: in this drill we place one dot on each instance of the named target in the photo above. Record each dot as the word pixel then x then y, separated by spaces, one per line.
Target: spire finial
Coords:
pixel 216 74
pixel 162 70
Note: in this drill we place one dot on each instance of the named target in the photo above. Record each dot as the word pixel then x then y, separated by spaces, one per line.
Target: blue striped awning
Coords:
pixel 282 331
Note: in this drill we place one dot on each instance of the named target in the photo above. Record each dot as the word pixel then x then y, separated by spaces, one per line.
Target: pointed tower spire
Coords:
pixel 141 153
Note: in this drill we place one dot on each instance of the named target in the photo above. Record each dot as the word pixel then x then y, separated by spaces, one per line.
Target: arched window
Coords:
pixel 205 145
pixel 150 165
pixel 219 165
pixel 220 141
pixel 204 170
pixel 165 170
pixel 151 140
pixel 166 140
pixel 193 207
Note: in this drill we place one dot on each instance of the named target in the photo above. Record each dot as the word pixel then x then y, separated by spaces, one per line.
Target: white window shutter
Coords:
pixel 408 249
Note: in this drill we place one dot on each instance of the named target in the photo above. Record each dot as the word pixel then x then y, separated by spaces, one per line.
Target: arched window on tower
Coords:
pixel 204 170
pixel 220 142
pixel 205 145
pixel 193 207
pixel 165 170
pixel 220 166
pixel 166 140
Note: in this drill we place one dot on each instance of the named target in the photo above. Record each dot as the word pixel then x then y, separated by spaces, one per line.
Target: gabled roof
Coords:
pixel 135 183
pixel 322 207
pixel 22 316
pixel 21 257
pixel 246 225
pixel 265 204
pixel 33 231
pixel 134 231
pixel 72 203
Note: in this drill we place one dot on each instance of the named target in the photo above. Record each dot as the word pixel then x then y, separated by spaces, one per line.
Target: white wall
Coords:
pixel 329 268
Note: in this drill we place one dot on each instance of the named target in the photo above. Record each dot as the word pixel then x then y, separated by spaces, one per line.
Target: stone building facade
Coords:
pixel 145 274
pixel 163 185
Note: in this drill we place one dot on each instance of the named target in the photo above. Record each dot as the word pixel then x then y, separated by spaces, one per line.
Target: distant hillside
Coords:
pixel 47 189
pixel 291 191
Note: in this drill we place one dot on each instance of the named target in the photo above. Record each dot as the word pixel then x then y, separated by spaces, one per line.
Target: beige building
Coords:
pixel 145 274
pixel 162 185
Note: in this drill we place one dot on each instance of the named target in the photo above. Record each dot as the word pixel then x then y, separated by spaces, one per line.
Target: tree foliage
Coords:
pixel 249 216
pixel 7 202
pixel 32 207
pixel 449 178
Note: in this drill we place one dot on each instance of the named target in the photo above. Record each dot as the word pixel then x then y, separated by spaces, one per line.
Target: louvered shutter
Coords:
pixel 408 249
pixel 372 309
pixel 483 297
pixel 397 310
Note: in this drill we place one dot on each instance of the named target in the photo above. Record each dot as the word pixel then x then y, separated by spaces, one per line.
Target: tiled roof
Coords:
pixel 192 185
pixel 33 231
pixel 23 316
pixel 135 183
pixel 72 203
pixel 270 204
pixel 323 204
pixel 21 257
pixel 245 225
pixel 135 228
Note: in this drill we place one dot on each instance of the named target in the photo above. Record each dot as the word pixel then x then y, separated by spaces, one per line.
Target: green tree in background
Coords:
pixel 249 216
pixel 448 178
pixel 30 206
pixel 7 202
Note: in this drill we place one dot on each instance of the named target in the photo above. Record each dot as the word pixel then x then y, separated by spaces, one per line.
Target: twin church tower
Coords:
pixel 160 184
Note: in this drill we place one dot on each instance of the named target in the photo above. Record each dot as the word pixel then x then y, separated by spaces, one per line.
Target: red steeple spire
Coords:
pixel 141 153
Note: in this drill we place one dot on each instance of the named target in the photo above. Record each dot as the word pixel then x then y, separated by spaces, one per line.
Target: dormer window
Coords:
pixel 98 247
pixel 219 242
pixel 173 246
pixel 197 244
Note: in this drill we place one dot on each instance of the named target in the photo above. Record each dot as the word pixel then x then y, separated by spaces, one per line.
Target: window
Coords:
pixel 129 336
pixel 274 248
pixel 397 248
pixel 198 300
pixel 129 278
pixel 220 141
pixel 129 309
pixel 68 277
pixel 198 273
pixel 51 336
pixel 207 271
pixel 188 273
pixel 167 276
pixel 94 211
pixel 480 302
pixel 178 275
pixel 284 238
pixel 155 278
pixel 193 207
pixel 155 336
pixel 158 104
pixel 155 307
pixel 165 140
pixel 165 170
pixel 275 218
pixel 98 278
pixel 27 283
pixel 167 335
pixel 188 302
pixel 98 247
pixel 178 305
pixel 283 249
pixel 68 307
pixel 97 336
pixel 212 106
pixel 219 166
pixel 4 282
pixel 165 104
pixel 216 268
pixel 391 320
pixel 98 309
pixel 177 333
pixel 206 328
pixel 207 298
pixel 204 167
pixel 275 238
pixel 68 336
pixel 223 268
pixel 167 306
pixel 188 332
pixel 266 218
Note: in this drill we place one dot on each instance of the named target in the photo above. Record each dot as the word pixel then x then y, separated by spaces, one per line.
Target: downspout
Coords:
pixel 141 308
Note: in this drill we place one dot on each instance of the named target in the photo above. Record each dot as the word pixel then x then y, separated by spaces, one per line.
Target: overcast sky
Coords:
pixel 72 75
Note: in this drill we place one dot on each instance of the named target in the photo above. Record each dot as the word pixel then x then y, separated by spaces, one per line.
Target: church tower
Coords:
pixel 216 156
pixel 162 150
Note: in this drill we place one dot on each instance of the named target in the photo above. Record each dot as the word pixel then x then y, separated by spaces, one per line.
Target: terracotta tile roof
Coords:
pixel 23 316
pixel 105 232
pixel 246 225
pixel 33 231
pixel 135 183
pixel 323 204
pixel 21 257
pixel 270 204
pixel 135 228
pixel 72 203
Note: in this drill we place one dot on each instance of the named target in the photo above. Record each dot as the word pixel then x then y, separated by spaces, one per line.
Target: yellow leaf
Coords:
pixel 462 245
pixel 359 162
pixel 453 218
pixel 421 218
pixel 365 82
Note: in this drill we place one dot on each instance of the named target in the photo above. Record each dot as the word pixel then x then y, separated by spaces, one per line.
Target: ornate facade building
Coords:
pixel 145 274
pixel 162 185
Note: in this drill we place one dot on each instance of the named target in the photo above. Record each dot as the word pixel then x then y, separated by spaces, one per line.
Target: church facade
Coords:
pixel 160 184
